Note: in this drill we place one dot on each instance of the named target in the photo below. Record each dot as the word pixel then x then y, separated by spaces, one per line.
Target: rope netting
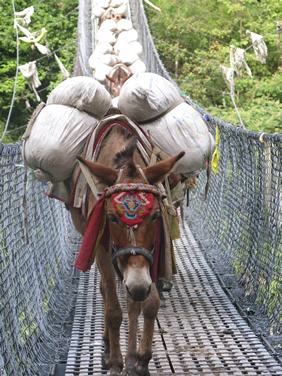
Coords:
pixel 239 225
pixel 240 222
pixel 36 275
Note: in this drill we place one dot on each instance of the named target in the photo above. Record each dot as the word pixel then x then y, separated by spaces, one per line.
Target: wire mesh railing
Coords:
pixel 242 215
pixel 36 275
pixel 239 224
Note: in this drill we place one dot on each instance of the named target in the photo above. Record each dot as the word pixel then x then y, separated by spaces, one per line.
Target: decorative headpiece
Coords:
pixel 132 201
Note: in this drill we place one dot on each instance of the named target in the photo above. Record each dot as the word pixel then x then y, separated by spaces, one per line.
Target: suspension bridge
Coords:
pixel 51 316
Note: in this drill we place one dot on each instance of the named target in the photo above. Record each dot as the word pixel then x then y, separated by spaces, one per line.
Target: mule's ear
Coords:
pixel 106 175
pixel 157 172
pixel 110 78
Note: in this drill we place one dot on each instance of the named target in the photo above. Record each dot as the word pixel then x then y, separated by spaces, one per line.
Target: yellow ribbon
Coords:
pixel 215 157
pixel 32 39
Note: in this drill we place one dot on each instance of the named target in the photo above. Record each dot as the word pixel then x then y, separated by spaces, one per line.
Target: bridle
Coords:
pixel 133 249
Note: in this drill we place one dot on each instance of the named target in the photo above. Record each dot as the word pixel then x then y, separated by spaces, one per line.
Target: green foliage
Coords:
pixel 60 20
pixel 193 39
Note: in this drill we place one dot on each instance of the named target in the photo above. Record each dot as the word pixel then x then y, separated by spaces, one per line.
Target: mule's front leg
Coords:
pixel 133 309
pixel 112 314
pixel 150 309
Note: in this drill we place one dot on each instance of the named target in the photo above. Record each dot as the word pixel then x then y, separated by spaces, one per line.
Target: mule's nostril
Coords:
pixel 127 290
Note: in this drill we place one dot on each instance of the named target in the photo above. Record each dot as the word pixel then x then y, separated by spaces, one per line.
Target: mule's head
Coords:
pixel 117 77
pixel 133 212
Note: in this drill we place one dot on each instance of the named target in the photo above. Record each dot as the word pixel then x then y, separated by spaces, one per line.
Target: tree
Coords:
pixel 60 20
pixel 198 36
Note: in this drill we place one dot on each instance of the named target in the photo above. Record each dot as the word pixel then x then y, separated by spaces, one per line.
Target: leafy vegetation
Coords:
pixel 193 39
pixel 59 17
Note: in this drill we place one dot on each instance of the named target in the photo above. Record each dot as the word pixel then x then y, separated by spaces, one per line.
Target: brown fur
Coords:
pixel 117 77
pixel 116 149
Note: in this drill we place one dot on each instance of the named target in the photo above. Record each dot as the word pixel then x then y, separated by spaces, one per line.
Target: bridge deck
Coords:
pixel 197 332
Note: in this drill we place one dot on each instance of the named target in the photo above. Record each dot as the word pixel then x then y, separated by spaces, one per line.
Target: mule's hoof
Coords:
pixel 106 361
pixel 129 371
pixel 167 285
pixel 115 373
pixel 140 371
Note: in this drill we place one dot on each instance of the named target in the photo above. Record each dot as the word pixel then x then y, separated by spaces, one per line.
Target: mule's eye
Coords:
pixel 112 218
pixel 156 215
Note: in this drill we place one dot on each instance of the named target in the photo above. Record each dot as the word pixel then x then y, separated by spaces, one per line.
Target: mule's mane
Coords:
pixel 125 156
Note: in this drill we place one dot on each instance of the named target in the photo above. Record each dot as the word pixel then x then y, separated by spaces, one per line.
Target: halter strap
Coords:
pixel 132 250
pixel 126 187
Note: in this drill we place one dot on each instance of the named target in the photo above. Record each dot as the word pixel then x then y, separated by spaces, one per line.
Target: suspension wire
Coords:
pixel 29 96
pixel 16 78
pixel 38 2
pixel 252 10
pixel 215 15
pixel 193 29
pixel 16 129
pixel 45 56
pixel 57 20
pixel 58 49
pixel 188 53
pixel 197 83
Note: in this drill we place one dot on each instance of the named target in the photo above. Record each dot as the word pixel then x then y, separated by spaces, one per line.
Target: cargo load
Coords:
pixel 173 125
pixel 57 132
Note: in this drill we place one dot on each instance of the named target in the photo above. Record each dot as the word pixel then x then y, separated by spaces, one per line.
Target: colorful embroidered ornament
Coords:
pixel 126 187
pixel 132 206
pixel 132 201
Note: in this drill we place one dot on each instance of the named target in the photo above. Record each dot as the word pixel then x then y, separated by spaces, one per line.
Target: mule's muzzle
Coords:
pixel 136 276
pixel 138 293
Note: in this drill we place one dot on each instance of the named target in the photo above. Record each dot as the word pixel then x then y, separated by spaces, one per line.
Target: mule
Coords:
pixel 117 77
pixel 130 246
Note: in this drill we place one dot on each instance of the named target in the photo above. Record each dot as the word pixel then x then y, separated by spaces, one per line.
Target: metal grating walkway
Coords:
pixel 197 332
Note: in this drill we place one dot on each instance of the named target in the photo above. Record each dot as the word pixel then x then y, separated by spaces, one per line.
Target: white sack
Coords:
pixel 147 95
pixel 104 48
pixel 120 45
pixel 127 56
pixel 103 3
pixel 117 3
pixel 83 93
pixel 109 59
pixel 98 53
pixel 95 59
pixel 101 71
pixel 106 36
pixel 98 11
pixel 108 25
pixel 124 25
pixel 56 137
pixel 128 36
pixel 183 128
pixel 122 10
pixel 138 67
pixel 125 48
pixel 136 47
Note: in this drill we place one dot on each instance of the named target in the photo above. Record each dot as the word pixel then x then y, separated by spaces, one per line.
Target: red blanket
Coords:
pixel 96 233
